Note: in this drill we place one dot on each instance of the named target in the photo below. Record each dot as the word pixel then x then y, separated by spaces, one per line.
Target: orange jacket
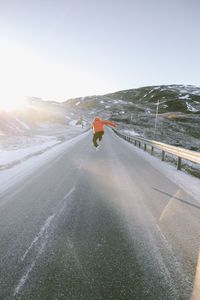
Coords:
pixel 98 124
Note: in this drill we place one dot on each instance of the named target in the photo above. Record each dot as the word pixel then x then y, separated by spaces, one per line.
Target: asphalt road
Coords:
pixel 98 225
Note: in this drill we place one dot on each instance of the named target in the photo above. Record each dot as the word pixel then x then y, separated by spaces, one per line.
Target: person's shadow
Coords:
pixel 181 200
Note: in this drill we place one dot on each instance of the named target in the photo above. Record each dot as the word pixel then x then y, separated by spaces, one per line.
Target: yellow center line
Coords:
pixel 168 205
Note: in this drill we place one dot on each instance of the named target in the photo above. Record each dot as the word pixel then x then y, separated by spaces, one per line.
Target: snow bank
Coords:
pixel 8 157
pixel 130 132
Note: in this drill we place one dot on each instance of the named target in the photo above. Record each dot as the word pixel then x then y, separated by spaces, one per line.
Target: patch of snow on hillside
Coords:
pixel 73 122
pixel 119 101
pixel 147 111
pixel 77 103
pixel 184 97
pixel 197 92
pixel 13 125
pixel 149 93
pixel 23 124
pixel 48 126
pixel 191 108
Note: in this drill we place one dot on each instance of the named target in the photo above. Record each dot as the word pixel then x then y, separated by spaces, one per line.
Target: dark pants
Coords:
pixel 97 136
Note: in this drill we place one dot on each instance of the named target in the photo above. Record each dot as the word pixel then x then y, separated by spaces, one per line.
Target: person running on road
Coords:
pixel 98 129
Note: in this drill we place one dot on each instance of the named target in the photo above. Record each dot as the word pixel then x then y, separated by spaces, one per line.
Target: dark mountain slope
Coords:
pixel 178 121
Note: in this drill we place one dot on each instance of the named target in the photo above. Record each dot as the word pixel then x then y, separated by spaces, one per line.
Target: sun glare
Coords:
pixel 24 71
pixel 11 103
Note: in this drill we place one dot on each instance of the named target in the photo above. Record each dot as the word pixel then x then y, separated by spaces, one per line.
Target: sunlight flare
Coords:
pixel 11 102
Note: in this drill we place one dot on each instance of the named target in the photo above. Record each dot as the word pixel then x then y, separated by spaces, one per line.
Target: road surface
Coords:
pixel 98 225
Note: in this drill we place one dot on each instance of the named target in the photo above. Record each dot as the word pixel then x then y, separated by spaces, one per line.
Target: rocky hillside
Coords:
pixel 178 120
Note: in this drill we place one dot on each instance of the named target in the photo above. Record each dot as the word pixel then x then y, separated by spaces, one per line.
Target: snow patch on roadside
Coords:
pixel 131 132
pixel 10 156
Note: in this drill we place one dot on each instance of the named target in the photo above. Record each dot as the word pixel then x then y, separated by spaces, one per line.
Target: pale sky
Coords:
pixel 58 49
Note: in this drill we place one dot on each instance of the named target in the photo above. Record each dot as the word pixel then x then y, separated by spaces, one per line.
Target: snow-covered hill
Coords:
pixel 35 115
pixel 36 128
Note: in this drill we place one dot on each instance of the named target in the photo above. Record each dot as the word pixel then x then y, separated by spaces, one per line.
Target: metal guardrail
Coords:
pixel 181 153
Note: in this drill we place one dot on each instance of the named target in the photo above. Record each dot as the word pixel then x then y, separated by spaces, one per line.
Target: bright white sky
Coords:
pixel 69 48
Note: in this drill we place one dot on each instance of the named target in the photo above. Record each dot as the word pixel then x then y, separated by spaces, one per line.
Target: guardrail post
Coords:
pixel 179 163
pixel 145 147
pixel 139 144
pixel 163 155
pixel 135 142
pixel 152 150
